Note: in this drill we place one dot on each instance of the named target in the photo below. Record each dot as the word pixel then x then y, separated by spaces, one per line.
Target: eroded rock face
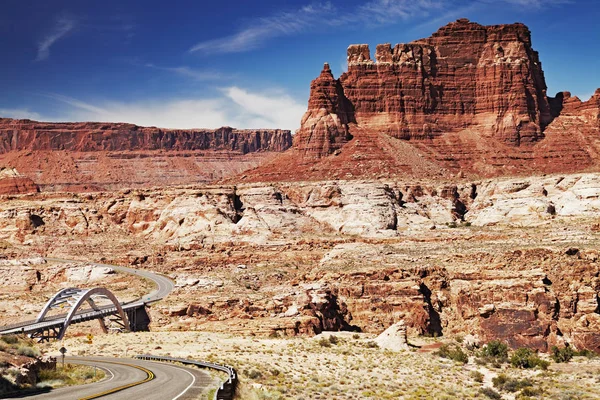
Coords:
pixel 95 156
pixel 11 182
pixel 18 135
pixel 469 100
pixel 465 74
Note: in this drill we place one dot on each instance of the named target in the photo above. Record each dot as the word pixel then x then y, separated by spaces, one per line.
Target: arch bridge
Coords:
pixel 114 316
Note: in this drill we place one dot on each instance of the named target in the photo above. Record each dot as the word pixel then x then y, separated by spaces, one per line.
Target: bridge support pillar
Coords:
pixel 139 319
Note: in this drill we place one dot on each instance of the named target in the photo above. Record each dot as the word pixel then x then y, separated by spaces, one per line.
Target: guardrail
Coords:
pixel 227 389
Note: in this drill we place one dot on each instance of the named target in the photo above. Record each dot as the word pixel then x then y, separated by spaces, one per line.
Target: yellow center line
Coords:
pixel 149 377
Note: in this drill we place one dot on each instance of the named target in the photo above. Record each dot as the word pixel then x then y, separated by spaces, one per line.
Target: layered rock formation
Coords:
pixel 12 182
pixel 92 156
pixel 19 135
pixel 470 99
pixel 513 259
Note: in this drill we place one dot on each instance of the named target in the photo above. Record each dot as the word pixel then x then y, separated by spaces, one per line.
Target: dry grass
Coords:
pixel 302 368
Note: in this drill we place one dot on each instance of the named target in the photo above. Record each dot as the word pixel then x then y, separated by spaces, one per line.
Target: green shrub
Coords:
pixel 477 376
pixel 527 358
pixel 490 393
pixel 333 339
pixel 10 339
pixel 253 374
pixel 530 392
pixel 495 349
pixel 586 353
pixel 562 355
pixel 324 342
pixel 453 352
pixel 28 351
pixel 507 384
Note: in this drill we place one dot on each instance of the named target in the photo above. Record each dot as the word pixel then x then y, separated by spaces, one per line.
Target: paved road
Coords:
pixel 164 286
pixel 170 382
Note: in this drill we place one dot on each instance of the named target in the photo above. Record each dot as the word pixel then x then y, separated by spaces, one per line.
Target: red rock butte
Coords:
pixel 470 100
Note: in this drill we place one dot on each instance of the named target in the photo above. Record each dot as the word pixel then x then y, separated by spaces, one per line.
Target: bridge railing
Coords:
pixel 227 389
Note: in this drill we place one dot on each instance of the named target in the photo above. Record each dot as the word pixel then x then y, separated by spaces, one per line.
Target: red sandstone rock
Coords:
pixel 18 135
pixel 105 156
pixel 11 182
pixel 324 127
pixel 470 101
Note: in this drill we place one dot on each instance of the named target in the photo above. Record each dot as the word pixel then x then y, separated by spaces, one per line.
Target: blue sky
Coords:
pixel 247 64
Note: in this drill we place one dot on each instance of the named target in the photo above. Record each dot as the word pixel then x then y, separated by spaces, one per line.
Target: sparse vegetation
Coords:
pixel 562 355
pixel 477 376
pixel 490 393
pixel 527 358
pixel 71 374
pixel 453 352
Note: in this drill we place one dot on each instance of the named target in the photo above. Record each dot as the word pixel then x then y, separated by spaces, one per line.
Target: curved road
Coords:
pixel 170 382
pixel 164 285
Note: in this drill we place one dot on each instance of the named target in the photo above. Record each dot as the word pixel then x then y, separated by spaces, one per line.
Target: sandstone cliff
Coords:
pixel 18 135
pixel 93 156
pixel 470 99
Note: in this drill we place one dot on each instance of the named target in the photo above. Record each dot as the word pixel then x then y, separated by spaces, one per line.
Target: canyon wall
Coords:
pixel 513 259
pixel 19 135
pixel 96 156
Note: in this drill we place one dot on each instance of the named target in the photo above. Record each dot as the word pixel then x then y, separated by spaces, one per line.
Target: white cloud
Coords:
pixel 275 109
pixel 17 113
pixel 62 26
pixel 319 15
pixel 280 24
pixel 236 107
pixel 196 74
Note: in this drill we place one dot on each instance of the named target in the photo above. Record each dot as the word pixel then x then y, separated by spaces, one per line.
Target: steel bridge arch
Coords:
pixel 76 298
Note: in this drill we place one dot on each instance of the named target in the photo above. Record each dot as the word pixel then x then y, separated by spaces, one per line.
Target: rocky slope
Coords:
pixel 513 259
pixel 469 100
pixel 88 156
pixel 12 182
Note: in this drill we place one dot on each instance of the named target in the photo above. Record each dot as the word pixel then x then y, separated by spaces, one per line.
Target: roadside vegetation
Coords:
pixel 23 369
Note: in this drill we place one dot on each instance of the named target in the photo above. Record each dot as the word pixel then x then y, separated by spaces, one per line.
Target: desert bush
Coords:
pixel 453 352
pixel 9 339
pixel 586 353
pixel 495 349
pixel 333 339
pixel 28 351
pixel 527 358
pixel 529 392
pixel 562 355
pixel 253 374
pixel 490 393
pixel 477 376
pixel 324 342
pixel 507 384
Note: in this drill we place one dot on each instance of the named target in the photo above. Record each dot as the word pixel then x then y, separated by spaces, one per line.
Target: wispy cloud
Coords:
pixel 62 27
pixel 76 103
pixel 235 107
pixel 266 109
pixel 323 15
pixel 196 74
pixel 280 24
pixel 538 3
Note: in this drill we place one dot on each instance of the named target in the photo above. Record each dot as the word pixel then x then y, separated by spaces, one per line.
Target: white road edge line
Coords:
pixel 190 385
